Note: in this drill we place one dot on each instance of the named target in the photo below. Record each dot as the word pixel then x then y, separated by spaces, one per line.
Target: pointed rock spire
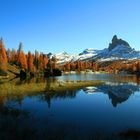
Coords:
pixel 116 41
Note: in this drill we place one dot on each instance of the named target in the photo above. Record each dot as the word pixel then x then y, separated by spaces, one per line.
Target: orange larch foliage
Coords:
pixel 41 62
pixel 54 61
pixel 67 66
pixel 139 65
pixel 3 56
pixel 30 61
pixel 36 60
pixel 21 58
pixel 23 61
pixel 45 61
pixel 9 56
pixel 72 66
pixel 134 67
pixel 79 66
pixel 14 56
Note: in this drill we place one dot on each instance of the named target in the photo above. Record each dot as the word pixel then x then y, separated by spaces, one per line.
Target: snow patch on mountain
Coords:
pixel 120 52
pixel 118 49
pixel 64 57
pixel 89 51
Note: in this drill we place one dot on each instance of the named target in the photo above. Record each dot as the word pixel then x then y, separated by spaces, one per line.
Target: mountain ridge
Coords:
pixel 117 49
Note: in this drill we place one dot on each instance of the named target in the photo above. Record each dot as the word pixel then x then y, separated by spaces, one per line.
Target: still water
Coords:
pixel 108 111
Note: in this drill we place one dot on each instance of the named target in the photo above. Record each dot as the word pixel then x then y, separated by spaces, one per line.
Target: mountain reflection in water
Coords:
pixel 117 92
pixel 109 112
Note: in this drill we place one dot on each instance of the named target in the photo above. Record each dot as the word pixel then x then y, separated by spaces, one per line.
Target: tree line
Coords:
pixel 30 62
pixel 39 63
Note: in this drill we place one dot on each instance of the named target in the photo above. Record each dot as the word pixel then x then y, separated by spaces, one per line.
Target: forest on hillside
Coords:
pixel 32 64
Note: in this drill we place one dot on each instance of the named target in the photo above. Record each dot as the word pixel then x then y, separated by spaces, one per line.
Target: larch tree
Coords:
pixel 134 67
pixel 78 65
pixel 3 56
pixel 23 61
pixel 72 66
pixel 13 56
pixel 9 55
pixel 36 60
pixel 85 65
pixel 41 63
pixel 54 62
pixel 30 61
pixel 67 66
pixel 139 66
pixel 45 61
pixel 21 58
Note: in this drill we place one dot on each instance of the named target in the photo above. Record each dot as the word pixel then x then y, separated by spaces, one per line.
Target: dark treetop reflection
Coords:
pixel 73 114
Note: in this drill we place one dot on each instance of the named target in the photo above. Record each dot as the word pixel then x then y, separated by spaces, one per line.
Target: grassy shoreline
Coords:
pixel 71 85
pixel 9 88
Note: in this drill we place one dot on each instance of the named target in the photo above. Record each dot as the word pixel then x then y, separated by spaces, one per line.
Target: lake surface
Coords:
pixel 108 111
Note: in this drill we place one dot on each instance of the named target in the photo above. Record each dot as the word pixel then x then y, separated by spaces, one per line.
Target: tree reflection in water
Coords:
pixel 58 95
pixel 16 124
pixel 19 123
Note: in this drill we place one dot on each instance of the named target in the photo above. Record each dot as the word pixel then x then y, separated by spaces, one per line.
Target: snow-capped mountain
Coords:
pixel 64 57
pixel 89 51
pixel 118 49
pixel 85 55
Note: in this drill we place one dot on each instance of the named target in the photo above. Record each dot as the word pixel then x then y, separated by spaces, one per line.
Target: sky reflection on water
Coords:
pixel 110 109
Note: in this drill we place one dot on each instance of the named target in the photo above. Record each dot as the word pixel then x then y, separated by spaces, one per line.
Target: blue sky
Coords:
pixel 68 25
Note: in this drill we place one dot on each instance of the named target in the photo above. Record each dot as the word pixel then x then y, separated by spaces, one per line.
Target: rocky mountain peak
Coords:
pixel 115 42
pixel 118 49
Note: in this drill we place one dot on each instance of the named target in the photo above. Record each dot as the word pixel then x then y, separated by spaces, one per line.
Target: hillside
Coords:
pixel 11 71
pixel 119 56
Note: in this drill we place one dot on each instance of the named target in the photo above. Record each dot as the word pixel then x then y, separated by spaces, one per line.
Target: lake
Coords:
pixel 107 111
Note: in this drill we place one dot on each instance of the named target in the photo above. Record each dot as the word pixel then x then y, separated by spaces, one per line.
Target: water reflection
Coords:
pixel 118 88
pixel 70 114
pixel 121 78
pixel 117 92
pixel 68 94
pixel 130 134
pixel 15 124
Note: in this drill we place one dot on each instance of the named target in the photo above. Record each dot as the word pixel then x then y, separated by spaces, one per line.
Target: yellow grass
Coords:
pixel 34 88
pixel 70 85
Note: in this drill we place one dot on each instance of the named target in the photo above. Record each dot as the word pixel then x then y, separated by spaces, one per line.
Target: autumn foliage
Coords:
pixel 28 62
pixel 39 62
pixel 3 56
